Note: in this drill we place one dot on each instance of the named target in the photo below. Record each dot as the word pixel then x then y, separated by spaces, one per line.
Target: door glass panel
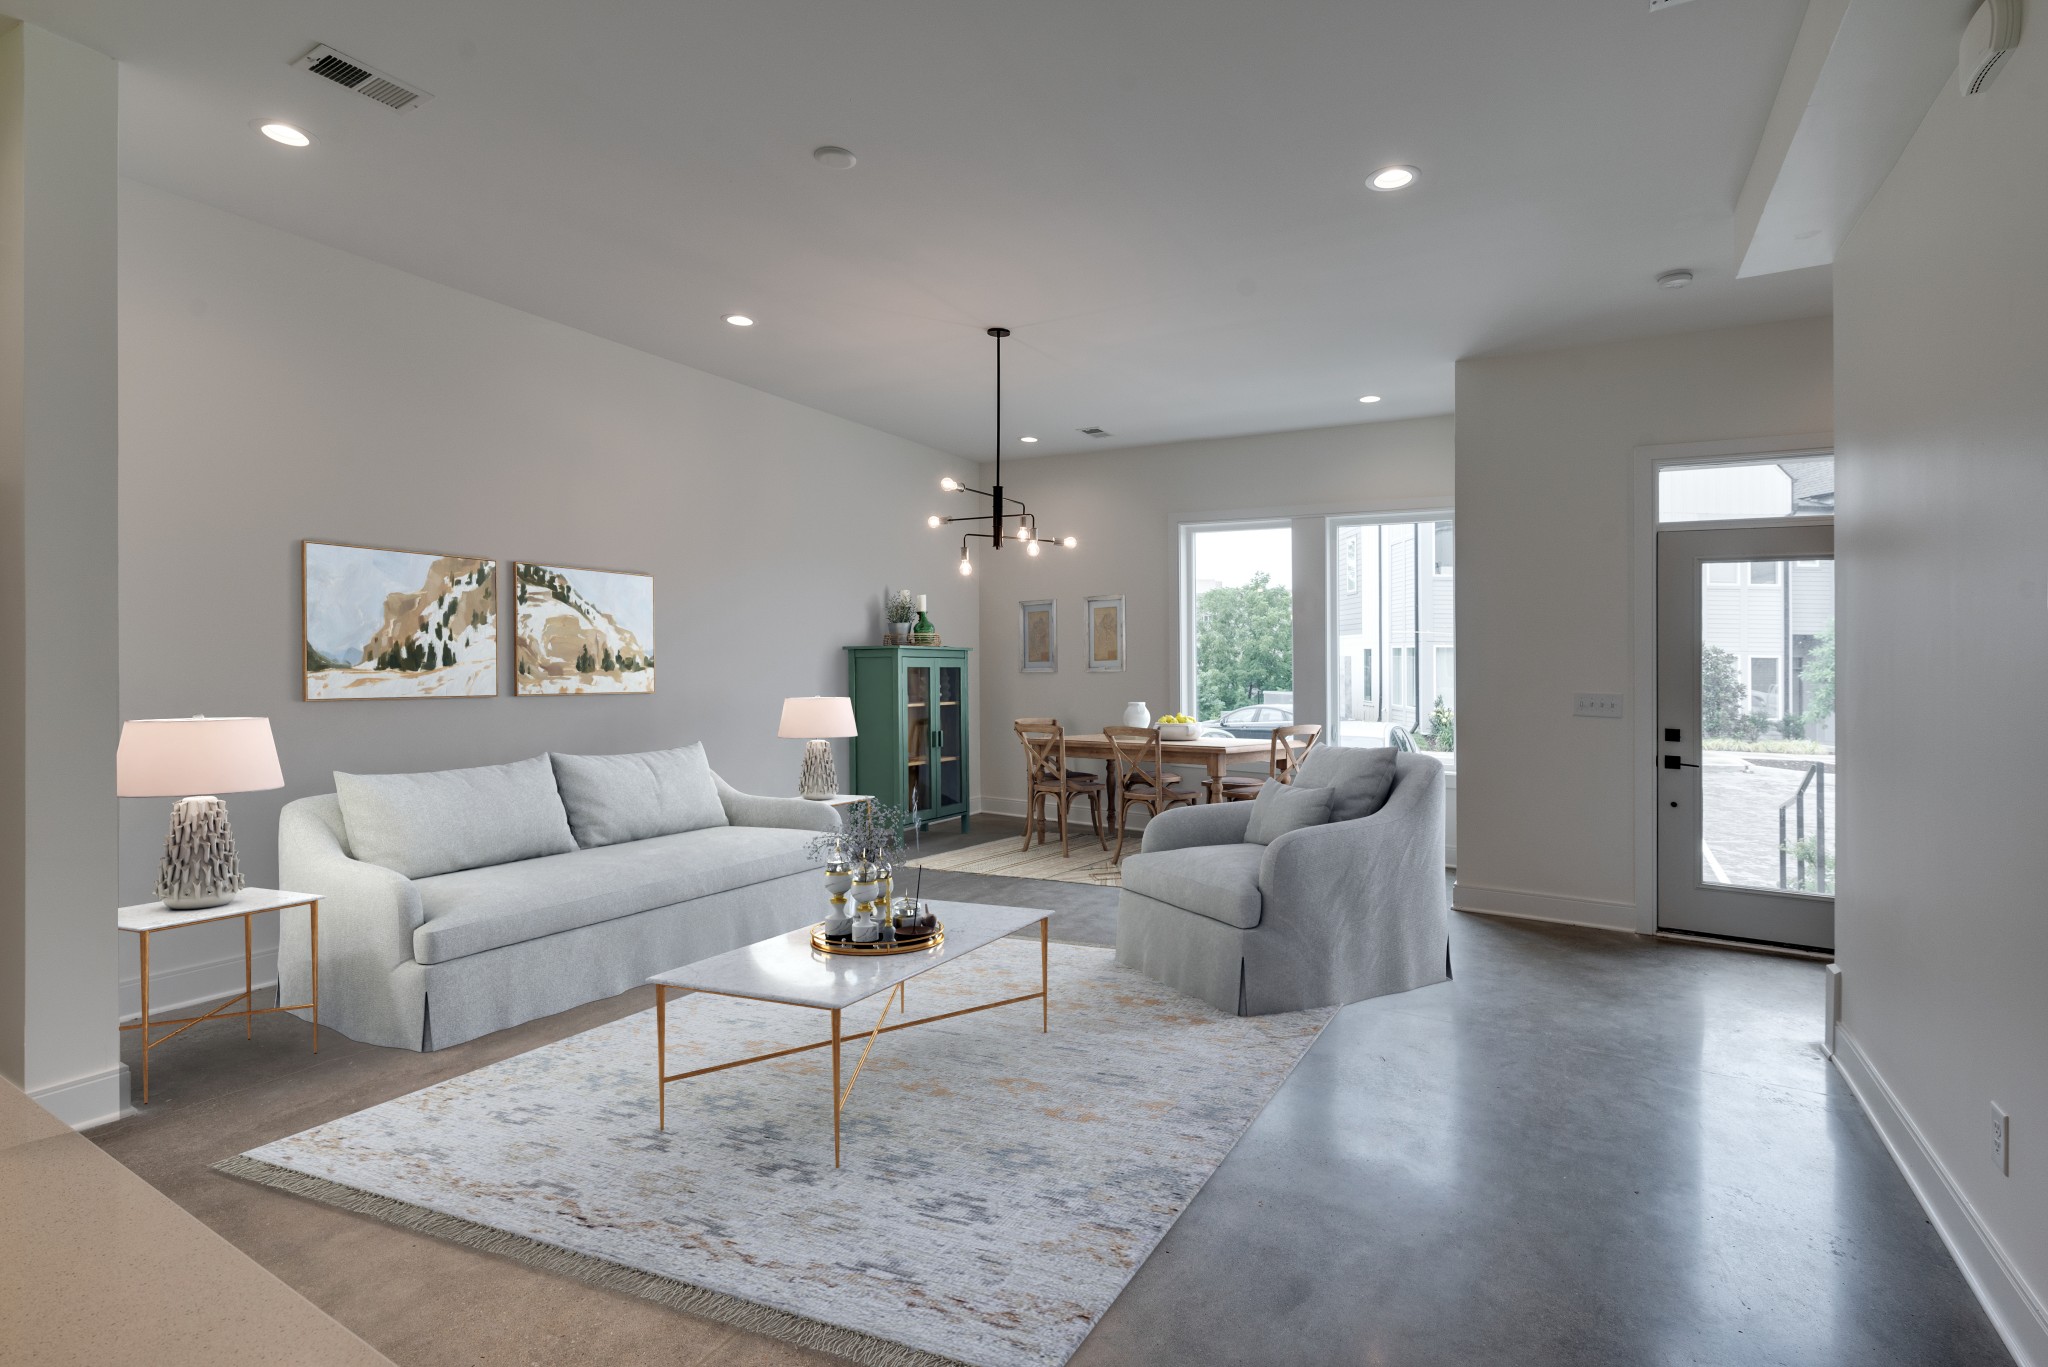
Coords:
pixel 1768 794
pixel 951 787
pixel 919 732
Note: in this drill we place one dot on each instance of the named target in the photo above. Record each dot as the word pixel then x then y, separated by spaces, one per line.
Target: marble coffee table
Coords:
pixel 787 969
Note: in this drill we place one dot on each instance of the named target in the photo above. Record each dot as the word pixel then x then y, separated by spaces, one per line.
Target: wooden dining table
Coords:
pixel 1210 756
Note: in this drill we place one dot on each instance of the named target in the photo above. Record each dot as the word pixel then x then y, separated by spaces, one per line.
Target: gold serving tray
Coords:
pixel 825 946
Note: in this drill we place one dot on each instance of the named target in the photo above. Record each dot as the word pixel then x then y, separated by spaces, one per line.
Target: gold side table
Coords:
pixel 152 918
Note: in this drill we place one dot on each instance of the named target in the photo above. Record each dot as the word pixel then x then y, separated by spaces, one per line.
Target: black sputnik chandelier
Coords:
pixel 1008 518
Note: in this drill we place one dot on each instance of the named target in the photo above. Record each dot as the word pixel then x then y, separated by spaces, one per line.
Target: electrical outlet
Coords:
pixel 2001 1140
pixel 1597 705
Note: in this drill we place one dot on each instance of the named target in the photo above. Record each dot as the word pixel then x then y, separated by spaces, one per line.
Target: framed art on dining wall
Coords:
pixel 582 631
pixel 1106 634
pixel 1038 636
pixel 380 623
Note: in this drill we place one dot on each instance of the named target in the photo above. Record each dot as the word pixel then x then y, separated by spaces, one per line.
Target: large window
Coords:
pixel 1393 604
pixel 1241 585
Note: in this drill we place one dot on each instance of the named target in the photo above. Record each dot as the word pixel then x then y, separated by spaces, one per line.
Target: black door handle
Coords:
pixel 1674 762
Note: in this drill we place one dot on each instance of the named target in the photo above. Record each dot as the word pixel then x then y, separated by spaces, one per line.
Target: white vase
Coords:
pixel 1137 714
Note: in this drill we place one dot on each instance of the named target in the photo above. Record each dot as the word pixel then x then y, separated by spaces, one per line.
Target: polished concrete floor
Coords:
pixel 1587 1149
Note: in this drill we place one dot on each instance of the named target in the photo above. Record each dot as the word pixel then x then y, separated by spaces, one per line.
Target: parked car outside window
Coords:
pixel 1255 722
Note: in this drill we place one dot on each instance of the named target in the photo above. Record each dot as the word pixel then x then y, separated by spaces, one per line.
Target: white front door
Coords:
pixel 1746 797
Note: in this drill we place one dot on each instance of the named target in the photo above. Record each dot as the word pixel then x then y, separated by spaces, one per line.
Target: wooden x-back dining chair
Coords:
pixel 1290 746
pixel 1047 778
pixel 1141 777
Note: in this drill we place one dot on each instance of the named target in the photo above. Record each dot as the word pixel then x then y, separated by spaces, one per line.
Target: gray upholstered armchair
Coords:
pixel 1322 916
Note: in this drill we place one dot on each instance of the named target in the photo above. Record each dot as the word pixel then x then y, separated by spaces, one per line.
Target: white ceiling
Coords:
pixel 1164 198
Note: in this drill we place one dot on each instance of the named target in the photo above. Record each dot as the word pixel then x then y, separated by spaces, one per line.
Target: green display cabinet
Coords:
pixel 910 703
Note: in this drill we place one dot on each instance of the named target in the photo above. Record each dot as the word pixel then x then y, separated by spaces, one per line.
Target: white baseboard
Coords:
pixel 1596 913
pixel 173 991
pixel 2015 1310
pixel 84 1102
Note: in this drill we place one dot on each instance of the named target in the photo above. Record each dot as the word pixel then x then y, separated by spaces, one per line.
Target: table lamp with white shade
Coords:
pixel 182 756
pixel 819 721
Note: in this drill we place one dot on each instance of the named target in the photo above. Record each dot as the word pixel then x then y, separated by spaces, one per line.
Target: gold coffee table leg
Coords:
pixel 835 1088
pixel 1044 977
pixel 661 1051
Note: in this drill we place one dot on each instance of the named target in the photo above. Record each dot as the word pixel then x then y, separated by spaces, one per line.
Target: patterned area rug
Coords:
pixel 1000 1185
pixel 1089 863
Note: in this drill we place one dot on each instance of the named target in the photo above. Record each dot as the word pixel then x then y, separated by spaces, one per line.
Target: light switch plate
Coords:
pixel 1597 705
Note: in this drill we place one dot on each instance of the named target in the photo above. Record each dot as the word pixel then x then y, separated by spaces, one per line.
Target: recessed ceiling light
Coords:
pixel 1369 398
pixel 1393 178
pixel 838 158
pixel 286 134
pixel 1675 280
pixel 739 320
pixel 1027 439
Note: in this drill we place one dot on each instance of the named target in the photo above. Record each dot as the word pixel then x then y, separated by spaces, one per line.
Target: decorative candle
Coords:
pixel 920 602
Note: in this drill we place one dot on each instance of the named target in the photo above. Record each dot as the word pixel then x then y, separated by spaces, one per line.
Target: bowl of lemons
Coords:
pixel 1179 726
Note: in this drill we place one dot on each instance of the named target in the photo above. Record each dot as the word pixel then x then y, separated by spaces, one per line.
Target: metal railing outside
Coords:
pixel 1795 854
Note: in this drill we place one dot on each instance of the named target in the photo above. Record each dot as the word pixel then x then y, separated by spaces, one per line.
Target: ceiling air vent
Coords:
pixel 364 80
pixel 1092 432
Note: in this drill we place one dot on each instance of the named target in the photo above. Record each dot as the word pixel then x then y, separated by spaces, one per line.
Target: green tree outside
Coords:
pixel 1818 675
pixel 1724 701
pixel 1244 644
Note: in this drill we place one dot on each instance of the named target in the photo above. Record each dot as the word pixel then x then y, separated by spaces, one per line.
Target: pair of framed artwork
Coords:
pixel 1038 635
pixel 412 624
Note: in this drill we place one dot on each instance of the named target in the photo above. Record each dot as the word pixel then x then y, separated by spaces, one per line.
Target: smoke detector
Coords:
pixel 1675 280
pixel 1993 32
pixel 365 80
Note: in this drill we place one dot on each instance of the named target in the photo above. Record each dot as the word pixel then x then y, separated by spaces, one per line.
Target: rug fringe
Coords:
pixel 866 1349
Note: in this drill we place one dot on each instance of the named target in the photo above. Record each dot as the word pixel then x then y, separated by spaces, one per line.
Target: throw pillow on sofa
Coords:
pixel 615 798
pixel 423 824
pixel 1279 809
pixel 1359 780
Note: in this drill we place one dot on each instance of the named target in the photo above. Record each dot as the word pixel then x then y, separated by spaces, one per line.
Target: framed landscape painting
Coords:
pixel 397 624
pixel 582 631
pixel 1106 634
pixel 1038 631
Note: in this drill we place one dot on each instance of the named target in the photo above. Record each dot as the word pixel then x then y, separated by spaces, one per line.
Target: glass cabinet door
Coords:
pixel 918 728
pixel 951 787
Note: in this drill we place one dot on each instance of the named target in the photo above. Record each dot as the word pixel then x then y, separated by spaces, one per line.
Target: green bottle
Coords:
pixel 923 625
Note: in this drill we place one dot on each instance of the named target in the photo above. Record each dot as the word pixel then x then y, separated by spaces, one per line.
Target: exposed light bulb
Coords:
pixel 1031 548
pixel 966 565
pixel 950 485
pixel 935 521
pixel 1070 543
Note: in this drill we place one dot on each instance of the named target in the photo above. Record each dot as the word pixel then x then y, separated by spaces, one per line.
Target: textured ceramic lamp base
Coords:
pixel 819 776
pixel 199 868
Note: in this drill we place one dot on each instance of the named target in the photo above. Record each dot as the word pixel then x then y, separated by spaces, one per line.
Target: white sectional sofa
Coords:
pixel 465 901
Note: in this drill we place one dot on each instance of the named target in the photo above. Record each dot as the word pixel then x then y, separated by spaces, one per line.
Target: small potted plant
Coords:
pixel 900 609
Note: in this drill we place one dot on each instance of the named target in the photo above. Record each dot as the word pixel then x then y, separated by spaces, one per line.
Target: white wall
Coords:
pixel 1941 351
pixel 1546 443
pixel 274 389
pixel 58 555
pixel 1124 506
